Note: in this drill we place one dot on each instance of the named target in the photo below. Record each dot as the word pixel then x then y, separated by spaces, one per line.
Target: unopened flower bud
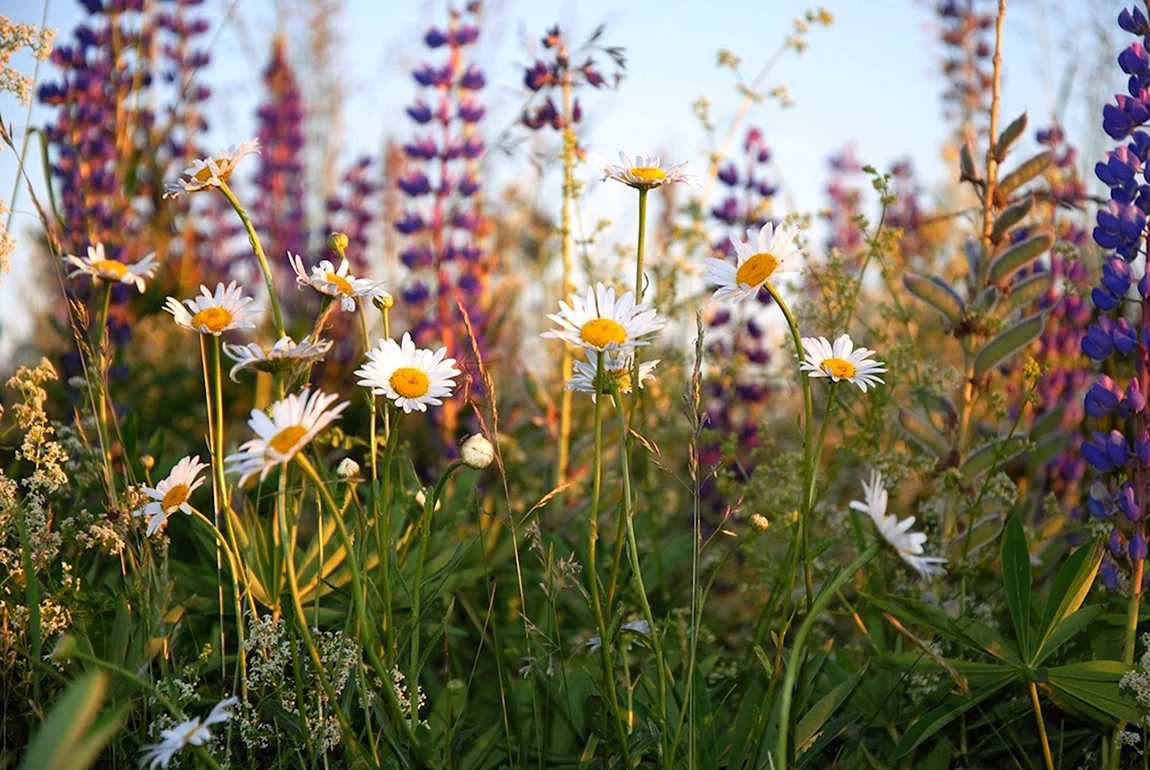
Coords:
pixel 421 499
pixel 760 523
pixel 337 242
pixel 456 687
pixel 383 301
pixel 477 452
pixel 148 462
pixel 347 469
pixel 64 648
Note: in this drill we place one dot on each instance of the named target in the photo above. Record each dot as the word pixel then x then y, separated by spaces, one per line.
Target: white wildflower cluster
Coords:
pixel 1137 681
pixel 401 695
pixel 16 37
pixel 7 242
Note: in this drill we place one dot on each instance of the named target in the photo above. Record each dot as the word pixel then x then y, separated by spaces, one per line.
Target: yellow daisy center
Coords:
pixel 838 368
pixel 410 382
pixel 341 283
pixel 216 319
pixel 599 332
pixel 175 497
pixel 757 269
pixel 110 267
pixel 648 174
pixel 284 441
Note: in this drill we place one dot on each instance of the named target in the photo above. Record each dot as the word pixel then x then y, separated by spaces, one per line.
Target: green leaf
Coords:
pixel 1047 423
pixel 1018 256
pixel 966 164
pixel 813 721
pixel 1009 136
pixel 1024 173
pixel 1065 631
pixel 71 738
pixel 921 430
pixel 1008 343
pixel 991 455
pixel 937 294
pixel 1016 581
pixel 1069 590
pixel 938 718
pixel 1045 451
pixel 986 300
pixel 1011 217
pixel 1024 293
pixel 1091 687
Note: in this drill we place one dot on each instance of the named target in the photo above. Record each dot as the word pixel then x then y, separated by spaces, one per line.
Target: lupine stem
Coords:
pixel 592 570
pixel 567 367
pixel 257 247
pixel 640 588
pixel 1041 726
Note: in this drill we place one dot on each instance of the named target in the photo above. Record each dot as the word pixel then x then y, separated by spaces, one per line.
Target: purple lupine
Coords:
pixel 443 223
pixel 351 210
pixel 1120 457
pixel 278 207
pixel 735 404
pixel 967 38
pixel 845 196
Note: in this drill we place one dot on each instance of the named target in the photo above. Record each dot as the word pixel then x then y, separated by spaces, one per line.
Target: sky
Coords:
pixel 871 79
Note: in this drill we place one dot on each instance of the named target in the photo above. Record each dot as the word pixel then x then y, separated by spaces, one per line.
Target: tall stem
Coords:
pixel 637 572
pixel 794 662
pixel 808 424
pixel 592 570
pixel 567 366
pixel 257 247
pixel 1041 726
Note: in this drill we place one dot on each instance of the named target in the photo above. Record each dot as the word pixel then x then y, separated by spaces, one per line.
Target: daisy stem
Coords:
pixel 362 536
pixel 383 545
pixel 794 663
pixel 570 145
pixel 592 571
pixel 98 354
pixel 808 421
pixel 812 485
pixel 257 247
pixel 637 571
pixel 233 564
pixel 420 563
pixel 365 628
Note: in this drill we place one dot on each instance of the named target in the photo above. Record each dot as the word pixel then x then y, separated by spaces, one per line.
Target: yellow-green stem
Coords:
pixel 1041 726
pixel 567 365
pixel 257 247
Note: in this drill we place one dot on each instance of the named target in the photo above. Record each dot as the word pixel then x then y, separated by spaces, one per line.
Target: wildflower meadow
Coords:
pixel 498 444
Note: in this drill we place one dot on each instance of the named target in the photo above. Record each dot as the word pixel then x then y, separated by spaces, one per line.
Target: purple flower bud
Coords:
pixel 1097 508
pixel 1109 573
pixel 1128 503
pixel 425 149
pixel 1102 397
pixel 1125 337
pixel 420 112
pixel 469 185
pixel 1103 299
pixel 415 184
pixel 1135 398
pixel 1117 542
pixel 1094 452
pixel 1137 549
pixel 1134 22
pixel 434 39
pixel 1117 449
pixel 471 111
pixel 1142 448
pixel 536 76
pixel 1117 276
pixel 729 175
pixel 1097 342
pixel 472 79
pixel 1134 60
pixel 409 223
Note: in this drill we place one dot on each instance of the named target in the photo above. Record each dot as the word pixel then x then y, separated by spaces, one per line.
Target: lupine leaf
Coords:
pixel 1024 293
pixel 938 296
pixel 938 718
pixel 1016 581
pixel 923 432
pixel 1009 136
pixel 986 300
pixel 1091 687
pixel 1071 585
pixel 1008 343
pixel 817 716
pixel 1024 173
pixel 991 454
pixel 1010 217
pixel 1019 256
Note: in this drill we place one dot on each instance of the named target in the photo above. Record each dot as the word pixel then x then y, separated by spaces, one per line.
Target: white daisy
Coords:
pixel 412 378
pixel 616 373
pixel 908 544
pixel 193 732
pixel 213 314
pixel 769 253
pixel 207 173
pixel 295 421
pixel 644 172
pixel 172 494
pixel 841 361
pixel 97 265
pixel 285 355
pixel 327 280
pixel 599 322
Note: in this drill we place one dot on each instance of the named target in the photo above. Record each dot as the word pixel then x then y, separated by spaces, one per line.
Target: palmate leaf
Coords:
pixel 1070 588
pixel 951 709
pixel 1016 581
pixel 1091 688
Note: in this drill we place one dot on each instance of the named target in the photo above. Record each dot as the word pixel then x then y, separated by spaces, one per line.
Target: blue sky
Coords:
pixel 872 78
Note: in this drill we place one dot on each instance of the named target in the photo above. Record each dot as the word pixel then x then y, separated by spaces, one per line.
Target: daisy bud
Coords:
pixel 477 452
pixel 456 687
pixel 383 302
pixel 148 462
pixel 337 242
pixel 347 469
pixel 421 499
pixel 760 523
